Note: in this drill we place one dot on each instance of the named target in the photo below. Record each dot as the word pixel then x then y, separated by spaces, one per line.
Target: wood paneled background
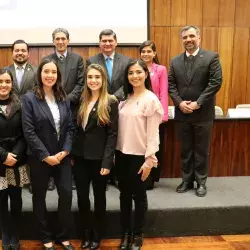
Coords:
pixel 225 28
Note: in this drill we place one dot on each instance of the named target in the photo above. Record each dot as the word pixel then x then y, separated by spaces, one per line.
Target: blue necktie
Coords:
pixel 109 67
pixel 19 76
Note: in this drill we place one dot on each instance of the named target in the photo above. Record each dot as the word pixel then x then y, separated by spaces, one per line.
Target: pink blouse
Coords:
pixel 139 120
pixel 159 80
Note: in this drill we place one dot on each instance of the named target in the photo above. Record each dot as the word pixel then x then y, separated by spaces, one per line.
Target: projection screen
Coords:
pixel 35 20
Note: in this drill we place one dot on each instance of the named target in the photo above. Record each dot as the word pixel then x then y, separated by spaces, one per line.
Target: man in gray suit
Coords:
pixel 194 77
pixel 72 70
pixel 24 74
pixel 113 63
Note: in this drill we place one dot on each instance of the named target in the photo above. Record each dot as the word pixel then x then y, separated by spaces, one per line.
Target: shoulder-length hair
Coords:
pixel 58 91
pixel 103 107
pixel 153 47
pixel 13 97
pixel 128 88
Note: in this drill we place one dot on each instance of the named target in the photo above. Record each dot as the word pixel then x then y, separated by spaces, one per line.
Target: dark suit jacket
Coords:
pixel 28 80
pixel 202 87
pixel 73 76
pixel 98 142
pixel 115 86
pixel 39 127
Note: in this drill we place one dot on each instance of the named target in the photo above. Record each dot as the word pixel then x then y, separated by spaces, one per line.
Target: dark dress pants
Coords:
pixel 86 172
pixel 10 221
pixel 40 174
pixel 195 144
pixel 131 187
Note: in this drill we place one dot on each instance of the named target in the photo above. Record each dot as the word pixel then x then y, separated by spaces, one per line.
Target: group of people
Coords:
pixel 58 119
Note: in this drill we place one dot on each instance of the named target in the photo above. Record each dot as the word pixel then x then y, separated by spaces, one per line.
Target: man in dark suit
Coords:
pixel 72 70
pixel 195 77
pixel 113 62
pixel 24 74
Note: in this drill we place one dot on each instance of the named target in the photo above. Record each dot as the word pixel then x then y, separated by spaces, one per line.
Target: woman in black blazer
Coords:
pixel 48 130
pixel 13 174
pixel 94 148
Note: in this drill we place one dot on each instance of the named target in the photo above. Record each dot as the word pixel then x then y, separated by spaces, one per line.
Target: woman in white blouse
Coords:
pixel 48 130
pixel 138 140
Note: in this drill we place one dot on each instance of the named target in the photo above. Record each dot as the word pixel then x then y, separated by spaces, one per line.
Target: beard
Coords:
pixel 20 61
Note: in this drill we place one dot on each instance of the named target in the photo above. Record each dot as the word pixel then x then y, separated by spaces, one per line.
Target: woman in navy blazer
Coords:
pixel 48 130
pixel 94 148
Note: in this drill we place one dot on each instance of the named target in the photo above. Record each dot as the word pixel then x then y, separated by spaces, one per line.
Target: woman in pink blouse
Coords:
pixel 159 81
pixel 138 140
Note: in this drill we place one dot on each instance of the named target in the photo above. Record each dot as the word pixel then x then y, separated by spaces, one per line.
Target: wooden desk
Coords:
pixel 229 152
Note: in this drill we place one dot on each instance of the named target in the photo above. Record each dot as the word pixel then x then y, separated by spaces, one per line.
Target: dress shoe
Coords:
pixel 86 240
pixel 51 184
pixel 49 248
pixel 184 187
pixel 201 190
pixel 137 243
pixel 15 246
pixel 94 245
pixel 66 247
pixel 125 242
pixel 6 247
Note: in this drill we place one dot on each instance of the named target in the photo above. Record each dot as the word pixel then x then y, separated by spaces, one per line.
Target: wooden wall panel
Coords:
pixel 194 12
pixel 226 12
pixel 209 39
pixel 176 46
pixel 178 13
pixel 248 75
pixel 242 16
pixel 210 12
pixel 161 13
pixel 225 47
pixel 5 57
pixel 239 73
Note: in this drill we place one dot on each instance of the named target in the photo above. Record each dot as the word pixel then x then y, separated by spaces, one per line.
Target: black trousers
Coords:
pixel 131 187
pixel 10 221
pixel 195 144
pixel 40 174
pixel 86 172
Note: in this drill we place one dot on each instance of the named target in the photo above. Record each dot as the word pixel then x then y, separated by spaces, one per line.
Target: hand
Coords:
pixel 52 160
pixel 194 105
pixel 61 155
pixel 104 171
pixel 185 107
pixel 145 172
pixel 10 160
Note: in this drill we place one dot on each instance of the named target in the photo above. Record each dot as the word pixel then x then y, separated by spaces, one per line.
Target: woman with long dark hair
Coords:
pixel 159 81
pixel 48 130
pixel 13 174
pixel 138 140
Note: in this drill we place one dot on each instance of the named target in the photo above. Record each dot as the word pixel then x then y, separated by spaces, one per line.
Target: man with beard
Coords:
pixel 72 70
pixel 24 73
pixel 194 79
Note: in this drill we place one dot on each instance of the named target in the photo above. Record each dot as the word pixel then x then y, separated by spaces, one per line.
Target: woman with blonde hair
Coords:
pixel 94 149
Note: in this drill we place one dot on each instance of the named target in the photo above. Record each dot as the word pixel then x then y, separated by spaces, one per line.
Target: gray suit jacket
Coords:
pixel 115 86
pixel 73 76
pixel 205 82
pixel 28 80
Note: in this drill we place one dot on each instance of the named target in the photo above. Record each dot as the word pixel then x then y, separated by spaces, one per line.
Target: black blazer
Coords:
pixel 72 76
pixel 115 86
pixel 39 127
pixel 11 136
pixel 202 87
pixel 98 142
pixel 28 80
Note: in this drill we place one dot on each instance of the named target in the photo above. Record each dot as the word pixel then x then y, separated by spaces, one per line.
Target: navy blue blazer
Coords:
pixel 39 127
